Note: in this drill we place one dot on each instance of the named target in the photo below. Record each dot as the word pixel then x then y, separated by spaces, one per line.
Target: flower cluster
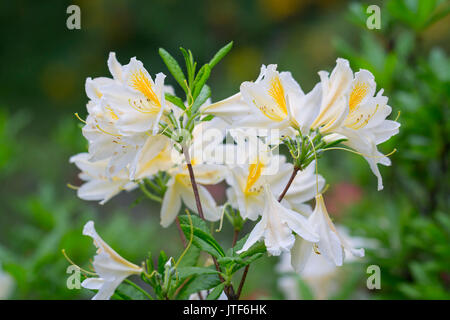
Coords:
pixel 142 135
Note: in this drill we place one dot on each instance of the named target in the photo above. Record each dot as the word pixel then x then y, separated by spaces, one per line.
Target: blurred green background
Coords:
pixel 44 67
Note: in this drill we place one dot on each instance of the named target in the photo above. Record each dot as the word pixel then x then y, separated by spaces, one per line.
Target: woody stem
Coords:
pixel 288 185
pixel 291 179
pixel 229 291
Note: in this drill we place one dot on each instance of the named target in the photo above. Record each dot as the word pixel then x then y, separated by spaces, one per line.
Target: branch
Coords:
pixel 291 179
pixel 229 291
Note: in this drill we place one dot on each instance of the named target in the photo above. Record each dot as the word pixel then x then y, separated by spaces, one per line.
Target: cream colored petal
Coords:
pixel 171 204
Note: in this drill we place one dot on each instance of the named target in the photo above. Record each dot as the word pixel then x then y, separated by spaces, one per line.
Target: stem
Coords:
pixel 235 236
pixel 244 276
pixel 229 291
pixel 294 173
pixel 194 184
pixel 241 284
pixel 149 194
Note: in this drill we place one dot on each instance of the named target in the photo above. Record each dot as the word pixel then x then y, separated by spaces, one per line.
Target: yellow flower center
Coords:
pixel 277 112
pixel 357 95
pixel 141 83
pixel 254 172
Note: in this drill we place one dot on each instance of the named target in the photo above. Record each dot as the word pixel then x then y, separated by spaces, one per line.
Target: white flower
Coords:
pixel 331 244
pixel 261 167
pixel 321 275
pixel 179 187
pixel 110 266
pixel 365 125
pixel 153 156
pixel 98 185
pixel 137 100
pixel 334 100
pixel 351 110
pixel 276 226
pixel 274 100
pixel 102 130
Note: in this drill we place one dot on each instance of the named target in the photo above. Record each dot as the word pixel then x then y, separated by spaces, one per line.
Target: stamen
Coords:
pixel 221 217
pixel 365 122
pixel 114 135
pixel 70 186
pixel 79 118
pixel 361 154
pixel 72 263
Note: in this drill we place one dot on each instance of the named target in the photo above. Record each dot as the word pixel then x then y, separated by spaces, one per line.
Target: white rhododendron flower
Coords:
pixel 98 185
pixel 321 275
pixel 136 99
pixel 109 265
pixel 246 191
pixel 365 125
pixel 276 226
pixel 331 245
pixel 333 106
pixel 350 110
pixel 118 123
pixel 274 100
pixel 155 155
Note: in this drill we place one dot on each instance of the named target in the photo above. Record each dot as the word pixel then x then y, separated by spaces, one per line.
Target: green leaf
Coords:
pixel 184 272
pixel 198 283
pixel 162 261
pixel 175 100
pixel 191 257
pixel 203 240
pixel 220 54
pixel 190 64
pixel 240 243
pixel 216 292
pixel 209 117
pixel 198 84
pixel 226 261
pixel 174 68
pixel 202 237
pixel 201 99
pixel 258 247
pixel 197 222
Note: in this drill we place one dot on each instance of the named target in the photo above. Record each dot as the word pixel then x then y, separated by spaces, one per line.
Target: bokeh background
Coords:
pixel 43 70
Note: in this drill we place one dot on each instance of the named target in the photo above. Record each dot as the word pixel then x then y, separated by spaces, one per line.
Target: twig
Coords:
pixel 235 236
pixel 194 184
pixel 241 284
pixel 229 291
pixel 294 173
pixel 244 276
